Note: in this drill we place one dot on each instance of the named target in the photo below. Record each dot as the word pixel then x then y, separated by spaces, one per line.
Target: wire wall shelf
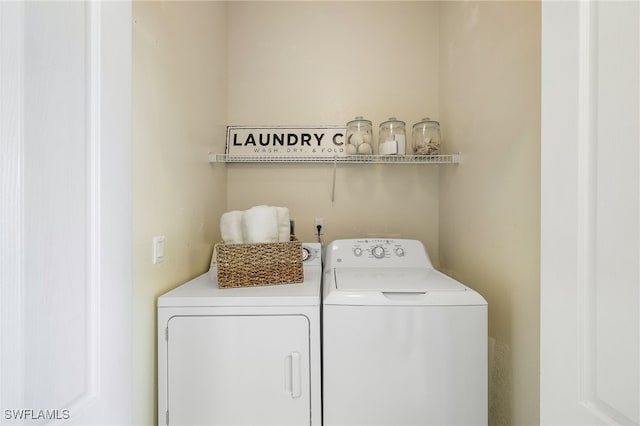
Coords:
pixel 350 159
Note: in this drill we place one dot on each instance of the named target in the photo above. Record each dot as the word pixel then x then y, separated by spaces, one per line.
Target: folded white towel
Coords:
pixel 231 227
pixel 260 225
pixel 284 230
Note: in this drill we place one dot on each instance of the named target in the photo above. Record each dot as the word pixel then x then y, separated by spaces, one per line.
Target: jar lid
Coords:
pixel 359 120
pixel 392 120
pixel 426 121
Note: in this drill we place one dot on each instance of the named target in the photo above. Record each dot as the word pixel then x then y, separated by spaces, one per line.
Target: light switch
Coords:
pixel 158 249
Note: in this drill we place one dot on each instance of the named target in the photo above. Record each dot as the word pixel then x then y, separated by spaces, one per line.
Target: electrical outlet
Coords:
pixel 318 222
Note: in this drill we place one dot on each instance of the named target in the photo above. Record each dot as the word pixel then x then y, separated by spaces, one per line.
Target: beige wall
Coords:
pixel 489 204
pixel 300 63
pixel 473 65
pixel 179 114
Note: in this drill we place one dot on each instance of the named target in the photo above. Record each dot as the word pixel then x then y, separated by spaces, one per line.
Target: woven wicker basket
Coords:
pixel 260 264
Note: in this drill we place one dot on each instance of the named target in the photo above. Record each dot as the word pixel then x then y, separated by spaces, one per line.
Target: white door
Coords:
pixel 590 220
pixel 65 246
pixel 248 370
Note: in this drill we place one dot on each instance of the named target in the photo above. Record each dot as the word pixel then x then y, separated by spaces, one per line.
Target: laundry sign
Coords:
pixel 285 141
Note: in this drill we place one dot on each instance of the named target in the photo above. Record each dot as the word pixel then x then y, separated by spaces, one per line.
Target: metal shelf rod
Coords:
pixel 351 159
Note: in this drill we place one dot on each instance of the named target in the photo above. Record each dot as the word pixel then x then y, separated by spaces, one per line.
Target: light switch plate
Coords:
pixel 158 249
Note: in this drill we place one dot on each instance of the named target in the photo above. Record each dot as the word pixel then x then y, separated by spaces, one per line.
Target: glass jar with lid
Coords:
pixel 426 137
pixel 392 137
pixel 359 140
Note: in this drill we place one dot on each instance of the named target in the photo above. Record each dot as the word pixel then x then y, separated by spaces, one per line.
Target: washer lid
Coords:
pixel 394 280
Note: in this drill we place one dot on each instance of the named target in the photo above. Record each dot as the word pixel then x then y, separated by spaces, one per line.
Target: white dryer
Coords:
pixel 241 356
pixel 403 344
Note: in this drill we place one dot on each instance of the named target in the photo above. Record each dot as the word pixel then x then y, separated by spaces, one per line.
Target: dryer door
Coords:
pixel 238 370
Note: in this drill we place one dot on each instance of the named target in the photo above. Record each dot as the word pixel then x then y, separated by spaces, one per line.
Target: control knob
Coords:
pixel 306 253
pixel 378 252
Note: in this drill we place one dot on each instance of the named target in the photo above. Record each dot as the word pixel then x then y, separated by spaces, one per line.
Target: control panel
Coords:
pixel 377 252
pixel 312 254
pixel 378 249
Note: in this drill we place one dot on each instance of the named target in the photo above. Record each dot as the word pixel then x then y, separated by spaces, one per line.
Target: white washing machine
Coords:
pixel 403 344
pixel 241 356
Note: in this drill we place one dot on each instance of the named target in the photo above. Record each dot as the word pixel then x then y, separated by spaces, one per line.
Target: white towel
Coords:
pixel 231 227
pixel 284 227
pixel 260 225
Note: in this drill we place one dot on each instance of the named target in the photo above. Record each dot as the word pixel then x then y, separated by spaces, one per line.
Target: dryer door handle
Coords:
pixel 296 377
pixel 293 376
